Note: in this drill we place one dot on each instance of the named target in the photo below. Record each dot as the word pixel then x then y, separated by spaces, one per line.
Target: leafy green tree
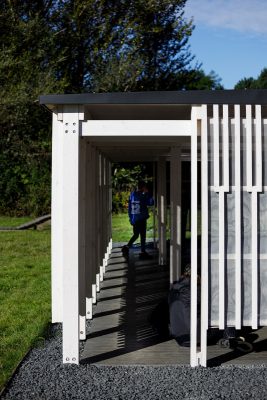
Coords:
pixel 27 68
pixel 250 83
pixel 74 46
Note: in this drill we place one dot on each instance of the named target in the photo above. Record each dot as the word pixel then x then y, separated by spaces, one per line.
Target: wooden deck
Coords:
pixel 121 334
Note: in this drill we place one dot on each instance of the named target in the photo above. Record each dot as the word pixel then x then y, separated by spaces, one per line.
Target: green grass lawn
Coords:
pixel 24 294
pixel 122 229
pixel 14 221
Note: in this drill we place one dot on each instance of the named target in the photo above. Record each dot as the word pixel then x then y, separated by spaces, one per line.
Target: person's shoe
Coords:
pixel 145 256
pixel 125 251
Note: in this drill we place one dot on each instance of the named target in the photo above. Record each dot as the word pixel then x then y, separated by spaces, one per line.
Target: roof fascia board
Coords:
pixel 193 97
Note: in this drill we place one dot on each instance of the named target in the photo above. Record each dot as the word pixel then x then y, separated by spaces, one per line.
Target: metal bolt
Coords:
pixel 66 123
pixel 74 131
pixel 67 359
pixel 74 123
pixel 66 131
pixel 74 359
pixel 81 332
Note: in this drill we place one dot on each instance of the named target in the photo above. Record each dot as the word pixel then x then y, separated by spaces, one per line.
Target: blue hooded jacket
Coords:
pixel 137 207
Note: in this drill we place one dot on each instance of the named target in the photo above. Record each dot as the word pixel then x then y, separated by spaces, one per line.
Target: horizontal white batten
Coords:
pixel 232 256
pixel 136 128
pixel 233 188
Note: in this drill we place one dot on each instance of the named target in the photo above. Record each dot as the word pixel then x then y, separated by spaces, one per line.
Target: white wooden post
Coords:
pixel 110 204
pixel 94 216
pixel 98 218
pixel 154 207
pixel 175 197
pixel 82 244
pixel 57 218
pixel 162 210
pixel 194 355
pixel 70 234
pixel 106 224
pixel 204 237
pixel 238 247
pixel 89 234
pixel 102 218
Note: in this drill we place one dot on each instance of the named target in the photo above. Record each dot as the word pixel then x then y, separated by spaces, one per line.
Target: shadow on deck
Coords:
pixel 121 334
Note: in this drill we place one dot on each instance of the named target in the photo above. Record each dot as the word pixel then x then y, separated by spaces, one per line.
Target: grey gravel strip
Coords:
pixel 42 376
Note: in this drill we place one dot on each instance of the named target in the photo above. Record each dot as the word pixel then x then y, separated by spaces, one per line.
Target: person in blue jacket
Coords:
pixel 138 213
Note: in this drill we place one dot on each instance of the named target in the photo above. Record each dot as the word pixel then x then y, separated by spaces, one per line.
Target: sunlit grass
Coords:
pixel 122 230
pixel 12 222
pixel 24 294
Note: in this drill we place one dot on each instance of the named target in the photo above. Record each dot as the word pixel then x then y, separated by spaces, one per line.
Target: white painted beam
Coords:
pixel 137 128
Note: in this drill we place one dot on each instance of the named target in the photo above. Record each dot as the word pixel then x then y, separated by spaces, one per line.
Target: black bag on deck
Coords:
pixel 159 319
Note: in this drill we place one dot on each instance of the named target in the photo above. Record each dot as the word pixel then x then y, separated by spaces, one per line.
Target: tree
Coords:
pixel 27 68
pixel 250 83
pixel 74 46
pixel 151 47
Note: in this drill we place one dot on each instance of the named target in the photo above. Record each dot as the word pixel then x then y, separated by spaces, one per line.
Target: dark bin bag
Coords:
pixel 159 319
pixel 179 309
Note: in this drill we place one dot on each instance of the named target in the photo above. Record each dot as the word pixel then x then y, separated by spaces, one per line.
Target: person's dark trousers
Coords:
pixel 139 228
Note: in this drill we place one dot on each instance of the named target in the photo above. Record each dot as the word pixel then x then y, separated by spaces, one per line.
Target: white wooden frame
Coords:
pixel 82 173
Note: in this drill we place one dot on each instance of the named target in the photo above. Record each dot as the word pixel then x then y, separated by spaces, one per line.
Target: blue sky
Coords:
pixel 230 37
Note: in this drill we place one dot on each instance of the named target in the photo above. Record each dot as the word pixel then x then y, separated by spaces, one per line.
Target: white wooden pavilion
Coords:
pixel 224 135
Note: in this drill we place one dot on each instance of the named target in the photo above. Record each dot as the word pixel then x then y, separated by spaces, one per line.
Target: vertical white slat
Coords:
pixel 226 150
pixel 204 235
pixel 102 219
pixel 106 220
pixel 94 224
pixel 57 220
pixel 194 360
pixel 175 198
pixel 254 261
pixel 249 147
pixel 216 144
pixel 110 206
pixel 258 150
pixel 237 127
pixel 70 206
pixel 221 260
pixel 154 206
pixel 88 231
pixel 98 219
pixel 82 253
pixel 162 210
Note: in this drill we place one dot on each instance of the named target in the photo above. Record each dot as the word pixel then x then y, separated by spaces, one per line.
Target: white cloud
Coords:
pixel 246 16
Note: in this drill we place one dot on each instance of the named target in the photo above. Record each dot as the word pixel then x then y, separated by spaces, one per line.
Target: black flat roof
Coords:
pixel 249 96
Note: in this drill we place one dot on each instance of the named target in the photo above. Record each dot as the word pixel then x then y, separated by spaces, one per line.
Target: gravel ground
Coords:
pixel 42 376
